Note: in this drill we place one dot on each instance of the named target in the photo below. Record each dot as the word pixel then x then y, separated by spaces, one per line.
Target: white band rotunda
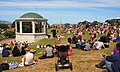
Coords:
pixel 30 27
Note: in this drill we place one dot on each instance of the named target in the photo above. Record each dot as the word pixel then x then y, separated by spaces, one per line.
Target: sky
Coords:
pixel 61 11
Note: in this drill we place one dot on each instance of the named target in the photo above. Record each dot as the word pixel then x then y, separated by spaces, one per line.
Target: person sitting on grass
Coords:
pixel 79 44
pixel 116 49
pixel 1 48
pixel 70 49
pixel 8 47
pixel 98 45
pixel 15 51
pixel 54 50
pixel 14 42
pixel 112 62
pixel 22 49
pixel 28 58
pixel 5 52
pixel 87 46
pixel 48 52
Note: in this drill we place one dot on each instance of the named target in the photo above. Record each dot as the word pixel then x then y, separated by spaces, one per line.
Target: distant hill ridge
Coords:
pixel 5 22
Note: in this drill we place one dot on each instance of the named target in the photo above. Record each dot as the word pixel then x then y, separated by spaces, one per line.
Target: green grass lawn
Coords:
pixel 83 61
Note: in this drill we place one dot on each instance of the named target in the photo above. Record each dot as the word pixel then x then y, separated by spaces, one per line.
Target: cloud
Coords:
pixel 54 9
pixel 63 3
pixel 7 12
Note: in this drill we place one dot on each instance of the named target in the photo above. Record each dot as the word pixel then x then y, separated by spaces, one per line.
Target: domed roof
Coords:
pixel 31 15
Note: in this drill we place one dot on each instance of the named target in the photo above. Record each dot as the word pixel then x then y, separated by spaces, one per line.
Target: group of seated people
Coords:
pixel 4 45
pixel 4 50
pixel 88 45
pixel 50 51
pixel 28 58
pixel 62 52
pixel 111 62
pixel 92 44
pixel 15 51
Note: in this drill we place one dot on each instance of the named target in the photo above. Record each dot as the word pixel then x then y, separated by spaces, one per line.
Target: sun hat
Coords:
pixel 27 49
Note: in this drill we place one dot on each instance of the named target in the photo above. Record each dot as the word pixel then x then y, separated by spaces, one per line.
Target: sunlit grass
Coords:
pixel 83 61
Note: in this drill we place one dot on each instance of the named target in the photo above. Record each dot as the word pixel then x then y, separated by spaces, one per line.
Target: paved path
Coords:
pixel 6 40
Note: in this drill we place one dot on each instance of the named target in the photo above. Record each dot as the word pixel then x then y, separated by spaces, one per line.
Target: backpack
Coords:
pixel 13 65
pixel 4 66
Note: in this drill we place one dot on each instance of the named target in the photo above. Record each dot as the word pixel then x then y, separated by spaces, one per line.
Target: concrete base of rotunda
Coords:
pixel 30 37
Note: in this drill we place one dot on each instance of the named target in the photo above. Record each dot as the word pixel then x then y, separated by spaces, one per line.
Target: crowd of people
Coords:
pixel 100 37
pixel 4 49
pixel 28 54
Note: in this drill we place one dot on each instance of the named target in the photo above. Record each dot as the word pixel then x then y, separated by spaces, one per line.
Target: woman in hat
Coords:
pixel 28 58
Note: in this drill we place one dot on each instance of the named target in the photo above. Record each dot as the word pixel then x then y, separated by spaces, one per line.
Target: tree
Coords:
pixel 9 34
pixel 83 23
pixel 113 21
pixel 4 26
pixel 66 25
pixel 109 21
pixel 13 25
pixel 79 23
pixel 95 23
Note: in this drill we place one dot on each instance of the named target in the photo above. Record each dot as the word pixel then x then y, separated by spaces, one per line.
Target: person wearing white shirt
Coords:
pixel 28 58
pixel 98 45
pixel 1 48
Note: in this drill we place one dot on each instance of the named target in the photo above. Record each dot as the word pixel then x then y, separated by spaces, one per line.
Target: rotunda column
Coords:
pixel 33 27
pixel 20 26
pixel 45 29
pixel 15 27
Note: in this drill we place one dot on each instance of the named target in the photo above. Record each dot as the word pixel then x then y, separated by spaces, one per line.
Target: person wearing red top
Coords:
pixel 70 50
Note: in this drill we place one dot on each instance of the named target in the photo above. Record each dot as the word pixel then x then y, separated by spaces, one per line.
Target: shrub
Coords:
pixel 4 26
pixel 9 34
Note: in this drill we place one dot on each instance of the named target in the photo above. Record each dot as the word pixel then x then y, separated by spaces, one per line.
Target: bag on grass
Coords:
pixel 13 65
pixel 4 66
